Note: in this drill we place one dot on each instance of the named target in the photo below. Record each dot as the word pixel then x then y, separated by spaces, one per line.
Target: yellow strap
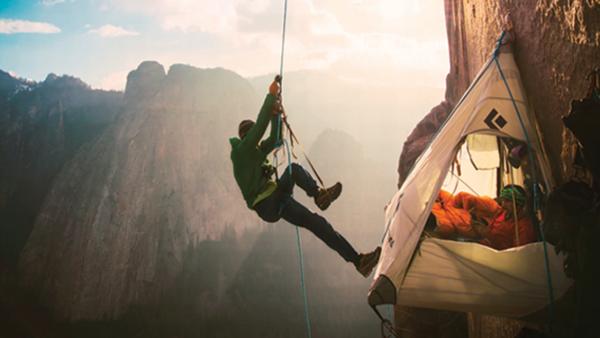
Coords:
pixel 269 189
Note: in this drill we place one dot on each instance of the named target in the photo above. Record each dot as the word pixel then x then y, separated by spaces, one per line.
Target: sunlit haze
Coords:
pixel 100 41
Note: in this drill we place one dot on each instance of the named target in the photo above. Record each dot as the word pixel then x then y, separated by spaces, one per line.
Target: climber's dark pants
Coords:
pixel 281 204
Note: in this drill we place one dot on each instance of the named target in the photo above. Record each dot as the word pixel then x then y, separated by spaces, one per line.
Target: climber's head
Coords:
pixel 244 127
pixel 512 195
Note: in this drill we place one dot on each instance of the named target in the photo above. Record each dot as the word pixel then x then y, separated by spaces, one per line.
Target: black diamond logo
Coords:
pixel 500 121
pixel 494 120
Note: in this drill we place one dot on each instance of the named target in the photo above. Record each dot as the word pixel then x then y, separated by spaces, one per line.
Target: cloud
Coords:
pixel 9 26
pixel 366 37
pixel 52 2
pixel 110 31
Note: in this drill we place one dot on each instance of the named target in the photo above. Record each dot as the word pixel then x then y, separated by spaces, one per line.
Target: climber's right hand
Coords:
pixel 275 88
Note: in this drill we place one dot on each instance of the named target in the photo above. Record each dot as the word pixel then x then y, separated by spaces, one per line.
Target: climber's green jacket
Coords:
pixel 249 158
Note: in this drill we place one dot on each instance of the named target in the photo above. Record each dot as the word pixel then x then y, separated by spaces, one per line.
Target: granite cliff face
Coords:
pixel 42 126
pixel 557 45
pixel 113 229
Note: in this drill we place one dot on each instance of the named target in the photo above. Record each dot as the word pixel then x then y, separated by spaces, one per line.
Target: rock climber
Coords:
pixel 272 199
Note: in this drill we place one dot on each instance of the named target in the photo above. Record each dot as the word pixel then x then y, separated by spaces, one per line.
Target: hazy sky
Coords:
pixel 100 41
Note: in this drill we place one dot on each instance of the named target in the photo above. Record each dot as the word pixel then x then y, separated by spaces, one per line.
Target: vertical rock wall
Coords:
pixel 557 45
pixel 42 126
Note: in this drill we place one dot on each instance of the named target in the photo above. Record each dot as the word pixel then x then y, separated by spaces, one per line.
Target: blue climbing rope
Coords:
pixel 498 44
pixel 278 143
pixel 536 205
pixel 300 255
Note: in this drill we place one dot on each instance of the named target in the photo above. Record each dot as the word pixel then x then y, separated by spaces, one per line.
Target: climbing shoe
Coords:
pixel 366 262
pixel 326 196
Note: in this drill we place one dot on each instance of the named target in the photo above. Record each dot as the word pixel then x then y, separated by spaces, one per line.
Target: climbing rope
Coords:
pixel 283 41
pixel 278 143
pixel 536 206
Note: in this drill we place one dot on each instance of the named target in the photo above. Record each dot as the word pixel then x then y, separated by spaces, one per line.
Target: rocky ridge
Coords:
pixel 42 126
pixel 113 228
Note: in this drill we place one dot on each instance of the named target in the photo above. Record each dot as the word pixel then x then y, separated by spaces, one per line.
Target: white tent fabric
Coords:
pixel 466 276
pixel 483 151
pixel 470 277
pixel 467 177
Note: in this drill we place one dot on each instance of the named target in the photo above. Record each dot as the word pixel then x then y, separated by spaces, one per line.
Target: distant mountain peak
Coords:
pixel 11 85
pixel 51 77
pixel 151 67
pixel 182 71
pixel 145 80
pixel 64 81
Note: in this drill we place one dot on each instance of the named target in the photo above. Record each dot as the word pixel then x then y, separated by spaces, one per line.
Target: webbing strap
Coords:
pixel 534 178
pixel 294 138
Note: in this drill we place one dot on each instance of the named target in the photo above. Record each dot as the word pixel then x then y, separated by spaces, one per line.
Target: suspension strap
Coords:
pixel 293 139
pixel 536 206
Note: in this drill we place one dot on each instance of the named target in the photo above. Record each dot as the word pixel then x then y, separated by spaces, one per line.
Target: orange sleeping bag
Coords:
pixel 453 214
